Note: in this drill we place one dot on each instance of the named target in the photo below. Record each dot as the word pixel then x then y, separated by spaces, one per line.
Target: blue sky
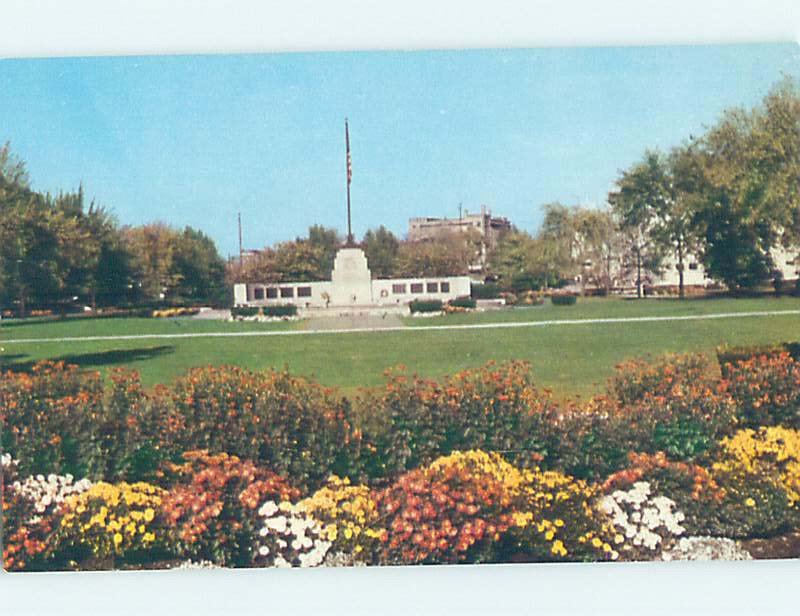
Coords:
pixel 196 139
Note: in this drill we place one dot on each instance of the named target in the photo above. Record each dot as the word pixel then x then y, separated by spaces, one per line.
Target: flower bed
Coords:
pixel 231 467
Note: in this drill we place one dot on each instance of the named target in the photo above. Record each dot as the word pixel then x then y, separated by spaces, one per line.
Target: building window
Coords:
pixel 258 293
pixel 692 266
pixel 445 287
pixel 399 289
pixel 272 293
pixel 287 292
pixel 303 291
pixel 416 287
pixel 432 287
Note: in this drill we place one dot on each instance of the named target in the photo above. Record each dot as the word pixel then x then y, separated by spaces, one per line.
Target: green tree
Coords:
pixel 558 242
pixel 517 259
pixel 747 202
pixel 600 247
pixel 329 241
pixel 152 247
pixel 301 261
pixel 200 268
pixel 381 247
pixel 450 255
pixel 639 202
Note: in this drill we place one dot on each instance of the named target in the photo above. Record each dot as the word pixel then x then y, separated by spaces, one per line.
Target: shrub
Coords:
pixel 288 537
pixel 509 298
pixel 50 419
pixel 282 310
pixel 635 378
pixel 463 302
pixel 487 290
pixel 287 424
pixel 773 451
pixel 588 441
pixel 531 298
pixel 649 523
pixel 110 524
pixel 476 507
pixel 449 512
pixel 684 422
pixel 245 311
pixel 555 519
pixel 213 506
pixel 495 408
pixel 754 504
pixel 690 486
pixel 426 305
pixel 31 511
pixel 732 355
pixel 564 300
pixel 525 282
pixel 175 312
pixel 348 517
pixel 766 389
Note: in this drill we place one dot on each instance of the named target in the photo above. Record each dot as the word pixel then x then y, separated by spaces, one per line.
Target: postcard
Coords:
pixel 400 308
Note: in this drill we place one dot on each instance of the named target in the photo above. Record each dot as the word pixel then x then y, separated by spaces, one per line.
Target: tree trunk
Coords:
pixel 681 289
pixel 638 273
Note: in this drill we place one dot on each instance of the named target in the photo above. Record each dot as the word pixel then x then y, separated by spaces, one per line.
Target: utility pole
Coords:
pixel 241 251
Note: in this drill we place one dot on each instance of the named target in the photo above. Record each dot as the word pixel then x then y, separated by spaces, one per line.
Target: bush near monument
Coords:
pixel 426 305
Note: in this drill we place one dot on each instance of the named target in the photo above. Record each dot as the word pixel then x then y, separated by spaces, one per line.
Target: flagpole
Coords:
pixel 349 178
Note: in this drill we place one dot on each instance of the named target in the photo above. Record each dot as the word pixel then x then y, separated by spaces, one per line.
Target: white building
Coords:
pixel 351 288
pixel 785 260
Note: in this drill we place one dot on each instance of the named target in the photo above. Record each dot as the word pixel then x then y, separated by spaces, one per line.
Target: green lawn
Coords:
pixel 570 359
pixel 598 308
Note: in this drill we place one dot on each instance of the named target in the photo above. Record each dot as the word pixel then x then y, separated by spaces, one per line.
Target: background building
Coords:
pixel 487 227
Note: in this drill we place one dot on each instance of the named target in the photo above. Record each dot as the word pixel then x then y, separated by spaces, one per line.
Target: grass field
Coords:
pixel 572 359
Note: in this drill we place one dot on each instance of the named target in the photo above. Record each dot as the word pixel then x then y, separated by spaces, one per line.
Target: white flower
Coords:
pixel 268 509
pixel 263 550
pixel 277 524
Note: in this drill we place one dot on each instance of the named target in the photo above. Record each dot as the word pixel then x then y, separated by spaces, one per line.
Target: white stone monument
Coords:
pixel 351 279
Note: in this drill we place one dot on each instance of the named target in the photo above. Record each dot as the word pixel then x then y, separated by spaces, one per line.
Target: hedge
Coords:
pixel 488 290
pixel 245 311
pixel 564 300
pixel 731 355
pixel 463 302
pixel 426 305
pixel 286 310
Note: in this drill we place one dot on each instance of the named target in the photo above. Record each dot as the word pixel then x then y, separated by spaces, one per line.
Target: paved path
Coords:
pixel 352 330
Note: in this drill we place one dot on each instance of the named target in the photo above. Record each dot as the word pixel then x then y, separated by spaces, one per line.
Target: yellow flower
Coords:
pixel 750 502
pixel 117 539
pixel 149 514
pixel 558 548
